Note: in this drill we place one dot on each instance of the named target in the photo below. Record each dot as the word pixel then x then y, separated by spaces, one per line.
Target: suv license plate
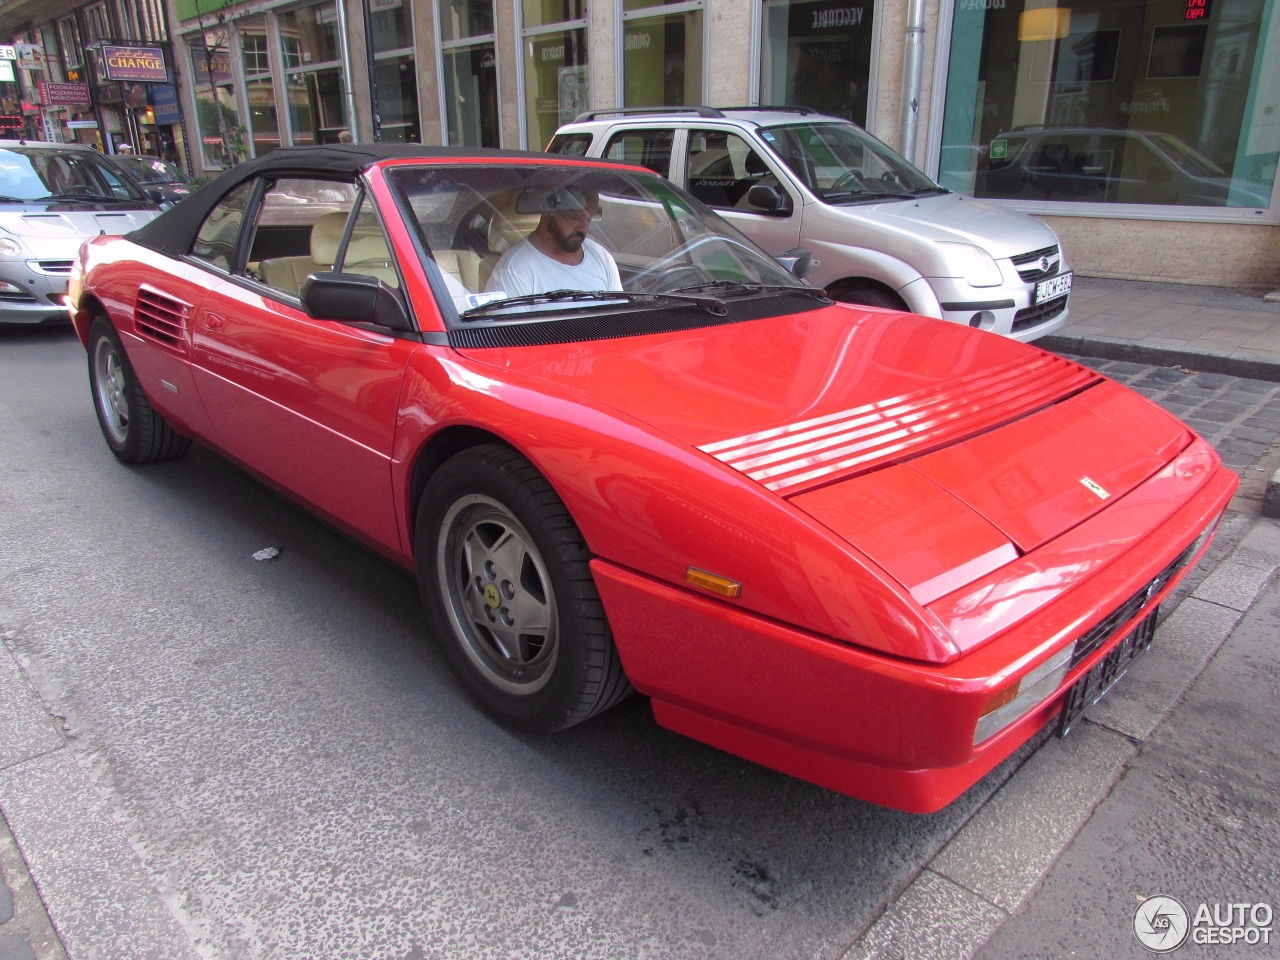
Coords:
pixel 1053 288
pixel 1091 688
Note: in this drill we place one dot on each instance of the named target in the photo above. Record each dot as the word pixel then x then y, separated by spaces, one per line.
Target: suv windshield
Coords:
pixel 640 243
pixel 54 174
pixel 841 163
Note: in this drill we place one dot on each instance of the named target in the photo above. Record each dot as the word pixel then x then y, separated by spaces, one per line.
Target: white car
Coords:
pixel 880 232
pixel 53 197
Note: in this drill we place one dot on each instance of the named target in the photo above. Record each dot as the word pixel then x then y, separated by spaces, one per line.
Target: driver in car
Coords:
pixel 558 254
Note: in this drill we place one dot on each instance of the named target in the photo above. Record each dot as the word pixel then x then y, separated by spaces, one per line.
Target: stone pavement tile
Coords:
pixel 1012 841
pixel 27 933
pixel 933 918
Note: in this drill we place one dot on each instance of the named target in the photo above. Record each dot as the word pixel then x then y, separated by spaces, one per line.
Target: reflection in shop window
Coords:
pixel 1108 102
pixel 817 54
pixel 221 144
pixel 555 66
pixel 255 56
pixel 662 54
pixel 314 83
pixel 395 73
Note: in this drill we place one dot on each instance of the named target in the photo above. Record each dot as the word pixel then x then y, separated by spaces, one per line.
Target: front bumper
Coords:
pixel 894 732
pixel 33 291
pixel 1009 309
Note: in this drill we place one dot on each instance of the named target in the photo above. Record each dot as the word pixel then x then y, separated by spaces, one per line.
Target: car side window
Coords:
pixel 367 252
pixel 215 242
pixel 723 168
pixel 298 231
pixel 645 148
pixel 570 144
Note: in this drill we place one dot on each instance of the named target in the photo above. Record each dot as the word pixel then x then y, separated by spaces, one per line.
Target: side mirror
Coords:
pixel 770 198
pixel 354 298
pixel 798 260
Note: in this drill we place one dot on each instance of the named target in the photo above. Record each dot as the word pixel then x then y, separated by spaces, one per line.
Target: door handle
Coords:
pixel 213 321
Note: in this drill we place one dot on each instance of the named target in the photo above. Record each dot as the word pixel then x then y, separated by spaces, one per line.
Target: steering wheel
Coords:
pixel 664 279
pixel 850 178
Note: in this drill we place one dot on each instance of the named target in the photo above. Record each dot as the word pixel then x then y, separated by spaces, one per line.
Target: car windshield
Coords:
pixel 36 174
pixel 151 170
pixel 641 241
pixel 841 163
pixel 1188 158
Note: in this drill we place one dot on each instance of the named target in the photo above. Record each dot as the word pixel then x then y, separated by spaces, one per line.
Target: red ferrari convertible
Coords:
pixel 624 449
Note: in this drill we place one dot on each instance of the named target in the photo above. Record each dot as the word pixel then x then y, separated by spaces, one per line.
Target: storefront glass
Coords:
pixel 556 82
pixel 221 137
pixel 255 55
pixel 1167 102
pixel 312 52
pixel 662 56
pixel 471 95
pixel 460 19
pixel 395 73
pixel 817 53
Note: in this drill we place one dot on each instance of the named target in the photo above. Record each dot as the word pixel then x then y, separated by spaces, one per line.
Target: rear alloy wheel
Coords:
pixel 132 428
pixel 505 579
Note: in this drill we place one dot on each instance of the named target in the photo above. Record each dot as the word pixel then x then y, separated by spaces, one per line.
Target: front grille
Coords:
pixel 1032 316
pixel 1101 632
pixel 52 268
pixel 1028 264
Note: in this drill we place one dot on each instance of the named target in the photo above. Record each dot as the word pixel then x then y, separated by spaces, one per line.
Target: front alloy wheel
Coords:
pixel 506 580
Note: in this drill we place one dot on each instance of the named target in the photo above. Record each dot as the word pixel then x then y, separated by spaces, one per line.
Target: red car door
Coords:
pixel 309 404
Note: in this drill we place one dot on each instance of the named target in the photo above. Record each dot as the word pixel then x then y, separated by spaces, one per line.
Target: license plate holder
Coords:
pixel 1102 676
pixel 1053 288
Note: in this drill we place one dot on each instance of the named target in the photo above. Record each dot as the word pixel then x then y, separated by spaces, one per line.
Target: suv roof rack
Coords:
pixel 773 108
pixel 632 111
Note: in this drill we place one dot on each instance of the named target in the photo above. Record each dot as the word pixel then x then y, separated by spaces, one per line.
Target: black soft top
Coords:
pixel 173 232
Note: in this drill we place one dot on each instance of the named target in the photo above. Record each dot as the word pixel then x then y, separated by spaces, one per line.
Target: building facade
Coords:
pixel 1145 131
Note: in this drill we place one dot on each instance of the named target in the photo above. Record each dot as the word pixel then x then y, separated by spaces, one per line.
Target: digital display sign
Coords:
pixel 1196 10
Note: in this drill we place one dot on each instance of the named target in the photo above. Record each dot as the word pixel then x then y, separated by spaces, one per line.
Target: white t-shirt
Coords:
pixel 524 269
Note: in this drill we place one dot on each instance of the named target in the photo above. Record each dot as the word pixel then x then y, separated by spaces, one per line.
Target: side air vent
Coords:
pixel 160 317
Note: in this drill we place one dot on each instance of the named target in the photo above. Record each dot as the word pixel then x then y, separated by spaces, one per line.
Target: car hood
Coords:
pixel 953 217
pixel 58 232
pixel 939 452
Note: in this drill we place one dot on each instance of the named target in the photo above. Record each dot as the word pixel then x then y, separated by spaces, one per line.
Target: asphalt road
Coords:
pixel 216 756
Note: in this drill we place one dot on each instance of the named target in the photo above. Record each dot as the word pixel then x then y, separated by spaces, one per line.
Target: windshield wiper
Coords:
pixel 751 286
pixel 71 198
pixel 712 305
pixel 14 200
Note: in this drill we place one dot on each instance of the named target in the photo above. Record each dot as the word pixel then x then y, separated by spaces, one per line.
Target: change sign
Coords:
pixel 135 64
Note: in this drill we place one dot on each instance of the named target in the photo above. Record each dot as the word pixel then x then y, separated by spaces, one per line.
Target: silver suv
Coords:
pixel 880 232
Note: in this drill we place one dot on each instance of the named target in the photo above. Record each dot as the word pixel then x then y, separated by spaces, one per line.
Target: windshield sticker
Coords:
pixel 766 135
pixel 480 299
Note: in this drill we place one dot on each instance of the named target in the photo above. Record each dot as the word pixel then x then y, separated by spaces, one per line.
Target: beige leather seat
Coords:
pixel 288 273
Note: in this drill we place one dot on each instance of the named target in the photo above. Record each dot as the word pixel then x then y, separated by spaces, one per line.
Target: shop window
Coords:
pixel 662 54
pixel 395 73
pixel 818 54
pixel 469 75
pixel 555 66
pixel 314 82
pixel 216 115
pixel 1112 103
pixel 255 55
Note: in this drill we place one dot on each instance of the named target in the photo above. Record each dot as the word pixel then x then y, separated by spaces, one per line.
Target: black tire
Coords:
pixel 869 297
pixel 132 428
pixel 504 576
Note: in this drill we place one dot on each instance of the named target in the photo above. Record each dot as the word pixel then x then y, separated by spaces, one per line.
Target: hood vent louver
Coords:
pixel 812 453
pixel 160 317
